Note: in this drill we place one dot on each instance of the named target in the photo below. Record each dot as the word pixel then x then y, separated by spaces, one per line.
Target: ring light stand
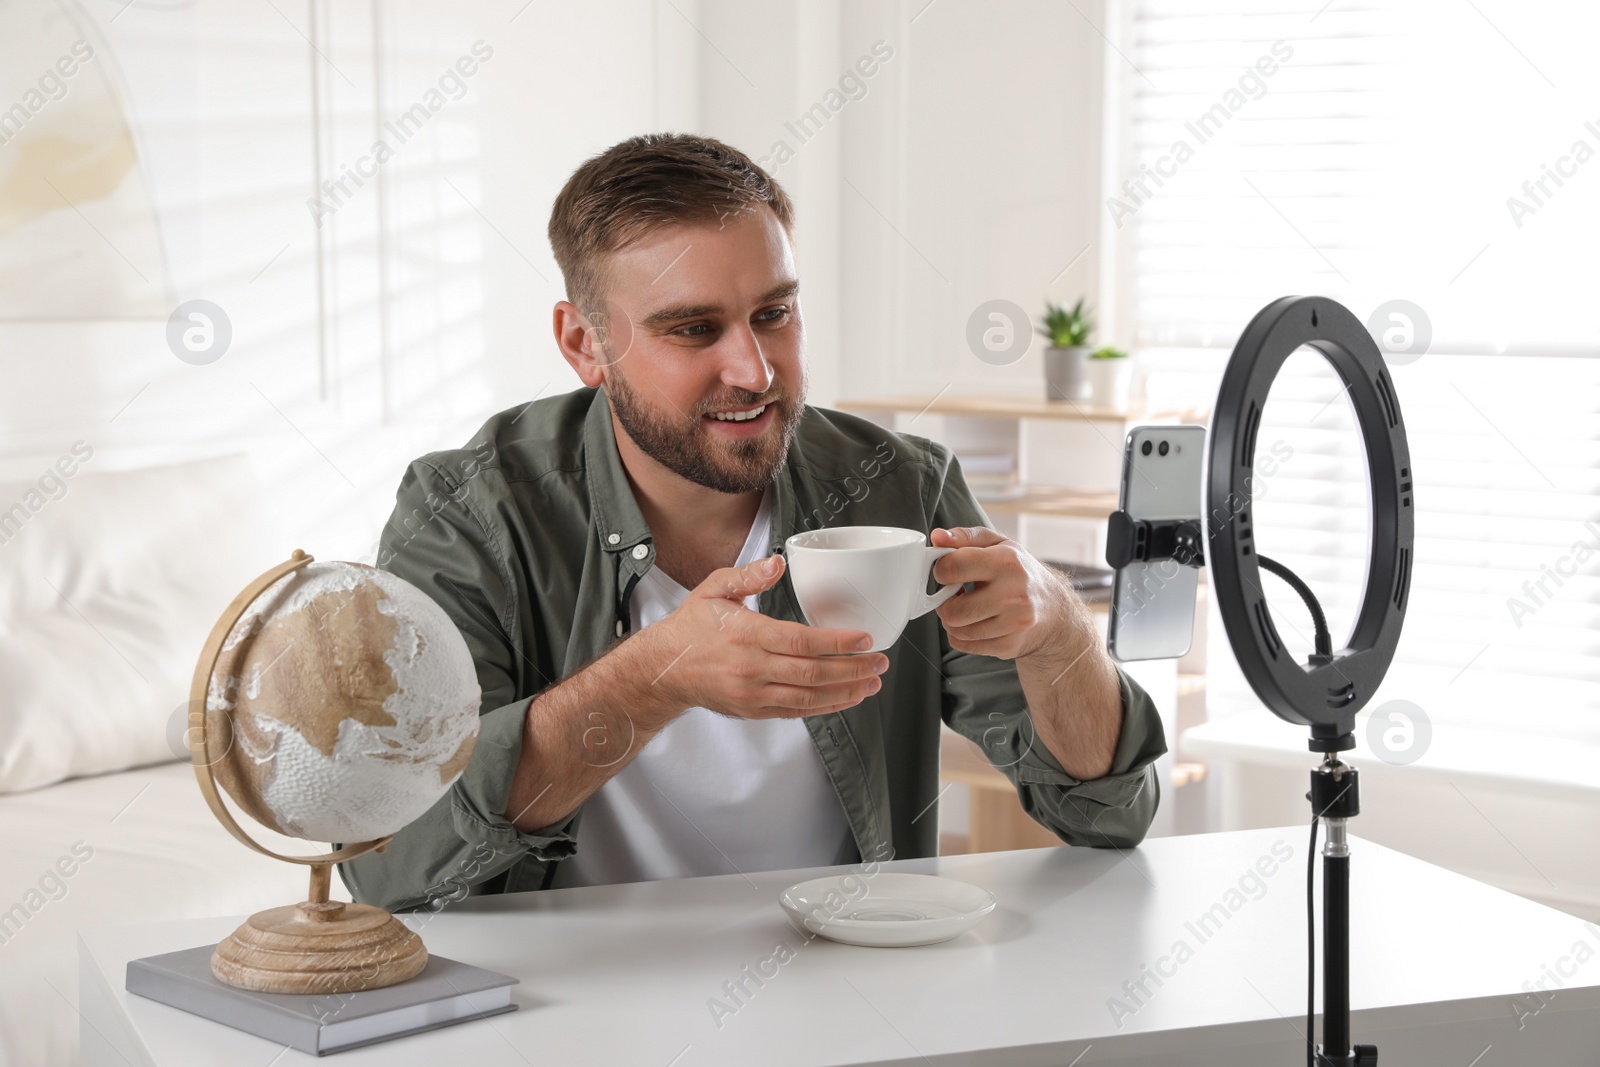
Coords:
pixel 1326 691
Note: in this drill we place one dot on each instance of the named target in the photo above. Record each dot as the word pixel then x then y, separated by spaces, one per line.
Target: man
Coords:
pixel 653 704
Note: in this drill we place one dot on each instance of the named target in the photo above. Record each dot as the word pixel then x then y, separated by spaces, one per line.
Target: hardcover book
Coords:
pixel 446 992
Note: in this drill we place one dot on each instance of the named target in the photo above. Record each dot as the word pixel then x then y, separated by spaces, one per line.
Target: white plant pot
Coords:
pixel 1107 382
pixel 1064 373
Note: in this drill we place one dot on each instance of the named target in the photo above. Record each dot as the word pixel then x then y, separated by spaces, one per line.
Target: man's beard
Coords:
pixel 689 451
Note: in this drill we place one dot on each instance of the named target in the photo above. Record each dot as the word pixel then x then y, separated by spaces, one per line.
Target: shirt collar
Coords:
pixel 617 520
pixel 785 505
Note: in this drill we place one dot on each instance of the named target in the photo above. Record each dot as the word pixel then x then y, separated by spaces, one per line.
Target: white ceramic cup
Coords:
pixel 871 578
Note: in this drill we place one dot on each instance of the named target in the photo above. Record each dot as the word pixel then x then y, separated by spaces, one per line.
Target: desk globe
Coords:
pixel 333 702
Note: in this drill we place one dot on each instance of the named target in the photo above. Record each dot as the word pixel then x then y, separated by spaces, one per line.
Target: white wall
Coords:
pixel 765 65
pixel 973 175
pixel 964 168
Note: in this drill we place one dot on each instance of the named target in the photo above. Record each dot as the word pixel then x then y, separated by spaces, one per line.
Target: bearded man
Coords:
pixel 654 705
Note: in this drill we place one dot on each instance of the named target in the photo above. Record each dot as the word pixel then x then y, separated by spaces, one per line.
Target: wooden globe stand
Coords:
pixel 319 945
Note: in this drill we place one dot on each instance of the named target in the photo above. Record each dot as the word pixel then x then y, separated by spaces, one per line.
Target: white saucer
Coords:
pixel 886 909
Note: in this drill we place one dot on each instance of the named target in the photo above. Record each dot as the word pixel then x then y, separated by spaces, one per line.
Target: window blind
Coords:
pixel 1447 155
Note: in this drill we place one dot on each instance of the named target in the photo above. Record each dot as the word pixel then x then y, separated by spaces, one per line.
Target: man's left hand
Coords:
pixel 1017 605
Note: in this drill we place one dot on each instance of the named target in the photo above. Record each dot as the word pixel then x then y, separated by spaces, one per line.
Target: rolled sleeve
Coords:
pixel 1111 811
pixel 478 798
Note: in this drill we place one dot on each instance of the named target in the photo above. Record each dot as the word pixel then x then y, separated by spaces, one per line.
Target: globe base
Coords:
pixel 319 947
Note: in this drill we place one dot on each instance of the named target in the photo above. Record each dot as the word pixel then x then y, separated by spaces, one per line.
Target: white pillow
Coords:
pixel 109 584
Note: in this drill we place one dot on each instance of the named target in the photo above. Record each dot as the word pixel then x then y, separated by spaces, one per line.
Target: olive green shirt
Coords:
pixel 531 540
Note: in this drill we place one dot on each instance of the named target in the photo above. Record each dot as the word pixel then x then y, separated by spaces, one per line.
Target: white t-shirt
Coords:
pixel 710 794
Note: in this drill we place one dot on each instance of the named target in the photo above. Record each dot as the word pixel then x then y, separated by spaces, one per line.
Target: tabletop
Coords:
pixel 1185 945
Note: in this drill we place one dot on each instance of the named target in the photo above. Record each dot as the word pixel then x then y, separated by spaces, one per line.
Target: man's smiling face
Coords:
pixel 703 348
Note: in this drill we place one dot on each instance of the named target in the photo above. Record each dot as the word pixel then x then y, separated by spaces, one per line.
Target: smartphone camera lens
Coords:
pixel 1146 448
pixel 1163 448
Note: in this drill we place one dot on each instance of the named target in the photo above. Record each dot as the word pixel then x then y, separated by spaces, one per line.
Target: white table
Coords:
pixel 625 974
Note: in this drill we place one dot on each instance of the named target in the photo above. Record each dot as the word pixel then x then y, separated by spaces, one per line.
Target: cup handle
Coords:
pixel 922 603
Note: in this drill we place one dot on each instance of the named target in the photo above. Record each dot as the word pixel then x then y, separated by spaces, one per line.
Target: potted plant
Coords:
pixel 1068 331
pixel 1107 377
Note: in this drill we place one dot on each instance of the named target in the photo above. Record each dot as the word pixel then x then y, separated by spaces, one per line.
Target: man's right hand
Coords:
pixel 714 652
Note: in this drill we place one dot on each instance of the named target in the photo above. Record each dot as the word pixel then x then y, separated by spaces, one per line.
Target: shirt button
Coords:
pixel 619 627
pixel 612 539
pixel 640 551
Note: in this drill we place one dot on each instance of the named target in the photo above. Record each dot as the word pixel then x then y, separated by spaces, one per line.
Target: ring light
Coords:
pixel 1326 692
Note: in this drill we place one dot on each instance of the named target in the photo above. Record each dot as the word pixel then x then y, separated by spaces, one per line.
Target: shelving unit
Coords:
pixel 1002 407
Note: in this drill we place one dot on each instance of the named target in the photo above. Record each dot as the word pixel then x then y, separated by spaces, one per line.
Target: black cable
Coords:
pixel 1318 620
pixel 1311 946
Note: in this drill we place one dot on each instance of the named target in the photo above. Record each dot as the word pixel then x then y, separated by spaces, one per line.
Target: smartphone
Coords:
pixel 1152 603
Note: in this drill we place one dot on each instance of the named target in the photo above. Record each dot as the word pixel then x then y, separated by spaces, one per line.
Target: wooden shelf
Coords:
pixel 1009 407
pixel 999 407
pixel 1044 500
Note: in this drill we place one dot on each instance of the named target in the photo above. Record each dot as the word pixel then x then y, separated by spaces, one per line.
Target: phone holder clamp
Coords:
pixel 1130 540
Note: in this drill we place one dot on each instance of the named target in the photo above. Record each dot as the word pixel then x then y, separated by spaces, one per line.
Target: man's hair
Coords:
pixel 643 184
